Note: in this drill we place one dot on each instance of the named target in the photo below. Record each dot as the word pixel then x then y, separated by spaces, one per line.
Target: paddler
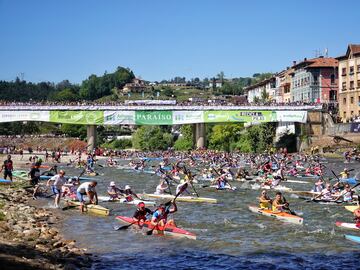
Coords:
pixel 114 192
pixel 345 174
pixel 264 200
pixel 160 216
pixel 87 188
pixel 319 186
pixel 129 194
pixel 357 217
pixel 347 194
pixel 160 189
pixel 58 181
pixel 279 204
pixel 141 213
pixel 182 187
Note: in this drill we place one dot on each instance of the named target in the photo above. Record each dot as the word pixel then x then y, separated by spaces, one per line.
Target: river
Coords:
pixel 229 236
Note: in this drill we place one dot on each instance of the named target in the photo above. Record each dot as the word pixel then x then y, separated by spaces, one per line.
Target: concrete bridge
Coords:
pixel 311 116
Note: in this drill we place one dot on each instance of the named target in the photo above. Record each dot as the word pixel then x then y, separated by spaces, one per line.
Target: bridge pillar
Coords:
pixel 200 137
pixel 91 137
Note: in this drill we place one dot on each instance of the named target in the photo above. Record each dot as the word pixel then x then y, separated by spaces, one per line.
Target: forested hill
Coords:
pixel 90 89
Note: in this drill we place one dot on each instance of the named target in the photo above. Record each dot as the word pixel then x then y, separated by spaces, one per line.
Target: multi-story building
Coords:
pixel 256 91
pixel 349 83
pixel 283 83
pixel 315 80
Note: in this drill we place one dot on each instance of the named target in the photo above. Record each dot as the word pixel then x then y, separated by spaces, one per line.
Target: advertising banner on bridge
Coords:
pixel 119 118
pixel 239 116
pixel 291 116
pixel 78 117
pixel 188 117
pixel 14 116
pixel 153 117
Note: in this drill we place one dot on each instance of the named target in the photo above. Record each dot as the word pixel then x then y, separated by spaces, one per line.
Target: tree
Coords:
pixel 185 141
pixel 151 138
pixel 64 95
pixel 223 136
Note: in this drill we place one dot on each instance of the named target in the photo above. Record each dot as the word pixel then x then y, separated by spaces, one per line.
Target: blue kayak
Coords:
pixel 353 238
pixel 5 181
pixel 350 181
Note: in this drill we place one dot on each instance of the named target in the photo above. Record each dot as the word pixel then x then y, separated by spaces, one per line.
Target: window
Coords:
pixel 343 73
pixel 351 84
pixel 352 100
pixel 352 70
pixel 344 101
pixel 344 86
pixel 315 79
pixel 332 78
pixel 358 68
pixel 358 84
pixel 359 99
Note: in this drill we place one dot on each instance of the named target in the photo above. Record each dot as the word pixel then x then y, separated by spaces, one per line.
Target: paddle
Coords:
pixel 287 207
pixel 124 227
pixel 191 178
pixel 168 203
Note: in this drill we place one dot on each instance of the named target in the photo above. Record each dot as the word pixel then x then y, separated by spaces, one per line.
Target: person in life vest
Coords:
pixel 141 213
pixel 160 216
pixel 264 200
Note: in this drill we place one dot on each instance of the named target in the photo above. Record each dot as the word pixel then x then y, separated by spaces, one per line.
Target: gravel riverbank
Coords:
pixel 30 237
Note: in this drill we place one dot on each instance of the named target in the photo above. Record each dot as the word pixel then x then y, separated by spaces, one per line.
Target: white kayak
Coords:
pixel 279 187
pixel 226 187
pixel 124 201
pixel 180 198
pixel 345 225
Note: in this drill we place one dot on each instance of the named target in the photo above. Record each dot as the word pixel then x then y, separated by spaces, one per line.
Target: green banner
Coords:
pixel 153 117
pixel 78 117
pixel 239 116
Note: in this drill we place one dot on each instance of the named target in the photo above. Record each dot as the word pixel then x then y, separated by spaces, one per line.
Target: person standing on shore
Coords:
pixel 58 181
pixel 8 168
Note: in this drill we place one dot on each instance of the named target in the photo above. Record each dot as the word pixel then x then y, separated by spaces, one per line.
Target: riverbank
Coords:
pixel 30 237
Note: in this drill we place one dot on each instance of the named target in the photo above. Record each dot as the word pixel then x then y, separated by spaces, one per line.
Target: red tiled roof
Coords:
pixel 355 48
pixel 323 62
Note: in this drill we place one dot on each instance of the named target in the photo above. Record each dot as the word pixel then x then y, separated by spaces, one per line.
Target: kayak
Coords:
pixel 180 198
pixel 283 216
pixel 124 201
pixel 352 208
pixel 305 193
pixel 5 181
pixel 350 181
pixel 162 230
pixel 279 187
pixel 227 187
pixel 47 177
pixel 90 208
pixel 347 225
pixel 295 181
pixel 353 238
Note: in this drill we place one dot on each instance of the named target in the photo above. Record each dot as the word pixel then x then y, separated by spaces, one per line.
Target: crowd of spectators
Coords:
pixel 212 102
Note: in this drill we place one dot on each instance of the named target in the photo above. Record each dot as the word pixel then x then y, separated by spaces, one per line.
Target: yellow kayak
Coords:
pixel 180 198
pixel 351 208
pixel 90 208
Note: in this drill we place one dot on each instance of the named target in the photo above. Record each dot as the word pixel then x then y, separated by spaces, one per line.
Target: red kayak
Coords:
pixel 164 230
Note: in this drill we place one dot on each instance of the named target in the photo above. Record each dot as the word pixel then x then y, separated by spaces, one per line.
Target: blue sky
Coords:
pixel 50 40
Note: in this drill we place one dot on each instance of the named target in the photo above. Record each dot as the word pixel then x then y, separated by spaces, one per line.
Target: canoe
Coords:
pixel 352 208
pixel 180 198
pixel 353 238
pixel 162 230
pixel 280 216
pixel 123 201
pixel 347 225
pixel 90 208
pixel 5 181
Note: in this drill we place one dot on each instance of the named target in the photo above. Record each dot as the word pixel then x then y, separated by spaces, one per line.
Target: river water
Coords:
pixel 229 236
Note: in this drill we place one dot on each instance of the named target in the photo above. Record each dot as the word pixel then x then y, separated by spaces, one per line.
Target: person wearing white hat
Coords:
pixel 129 194
pixel 114 192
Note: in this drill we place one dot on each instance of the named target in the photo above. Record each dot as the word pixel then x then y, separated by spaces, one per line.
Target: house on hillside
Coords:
pixel 136 86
